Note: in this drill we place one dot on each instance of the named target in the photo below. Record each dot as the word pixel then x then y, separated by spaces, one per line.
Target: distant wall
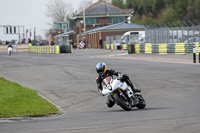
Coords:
pixel 16 48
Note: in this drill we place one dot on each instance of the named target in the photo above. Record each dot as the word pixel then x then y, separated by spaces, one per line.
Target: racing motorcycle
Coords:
pixel 9 50
pixel 120 93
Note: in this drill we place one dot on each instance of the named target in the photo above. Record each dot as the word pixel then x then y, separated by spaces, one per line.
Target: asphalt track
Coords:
pixel 169 83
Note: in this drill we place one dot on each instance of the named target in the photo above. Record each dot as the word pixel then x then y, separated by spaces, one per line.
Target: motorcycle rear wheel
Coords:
pixel 125 104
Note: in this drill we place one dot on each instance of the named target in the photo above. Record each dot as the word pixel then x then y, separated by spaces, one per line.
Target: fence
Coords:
pixel 180 32
pixel 112 42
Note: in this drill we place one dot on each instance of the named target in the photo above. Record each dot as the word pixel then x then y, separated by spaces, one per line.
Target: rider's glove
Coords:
pixel 120 75
pixel 100 92
pixel 97 81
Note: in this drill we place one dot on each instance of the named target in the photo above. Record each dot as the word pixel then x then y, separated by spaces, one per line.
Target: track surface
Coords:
pixel 169 83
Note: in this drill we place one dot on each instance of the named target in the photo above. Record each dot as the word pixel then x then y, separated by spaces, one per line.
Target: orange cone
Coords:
pixel 122 50
pixel 111 50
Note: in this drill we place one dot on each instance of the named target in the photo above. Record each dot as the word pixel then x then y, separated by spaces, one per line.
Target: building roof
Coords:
pixel 65 34
pixel 103 8
pixel 123 26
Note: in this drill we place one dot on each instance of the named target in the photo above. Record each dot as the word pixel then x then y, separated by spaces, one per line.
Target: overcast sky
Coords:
pixel 30 13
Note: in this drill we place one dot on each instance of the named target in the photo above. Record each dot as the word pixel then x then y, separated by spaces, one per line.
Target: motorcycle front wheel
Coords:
pixel 9 53
pixel 142 103
pixel 122 100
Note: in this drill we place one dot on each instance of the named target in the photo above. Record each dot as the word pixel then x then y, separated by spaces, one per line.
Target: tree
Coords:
pixel 190 10
pixel 157 5
pixel 181 8
pixel 58 10
pixel 84 4
pixel 170 15
pixel 197 8
pixel 118 3
pixel 38 38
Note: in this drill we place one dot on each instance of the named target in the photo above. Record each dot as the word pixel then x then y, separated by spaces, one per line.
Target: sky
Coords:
pixel 29 13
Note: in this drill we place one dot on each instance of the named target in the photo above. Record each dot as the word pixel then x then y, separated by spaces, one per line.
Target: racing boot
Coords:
pixel 134 101
pixel 134 89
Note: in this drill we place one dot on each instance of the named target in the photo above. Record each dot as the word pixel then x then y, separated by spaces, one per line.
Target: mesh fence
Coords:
pixel 181 32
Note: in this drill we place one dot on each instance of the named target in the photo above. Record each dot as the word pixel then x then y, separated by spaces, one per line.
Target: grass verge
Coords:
pixel 18 101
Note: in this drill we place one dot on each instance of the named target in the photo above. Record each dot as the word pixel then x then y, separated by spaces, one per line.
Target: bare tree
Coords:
pixel 84 4
pixel 58 10
pixel 38 38
pixel 109 1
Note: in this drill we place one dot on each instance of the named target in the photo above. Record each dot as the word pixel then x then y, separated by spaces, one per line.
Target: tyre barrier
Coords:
pixel 148 48
pixel 111 46
pixel 66 49
pixel 51 49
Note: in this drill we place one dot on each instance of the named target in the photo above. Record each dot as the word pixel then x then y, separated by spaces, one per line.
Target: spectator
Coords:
pixel 101 43
pixel 52 43
pixel 41 43
pixel 29 42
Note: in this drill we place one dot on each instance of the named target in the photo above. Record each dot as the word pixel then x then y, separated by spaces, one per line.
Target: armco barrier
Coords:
pixel 51 49
pixel 178 48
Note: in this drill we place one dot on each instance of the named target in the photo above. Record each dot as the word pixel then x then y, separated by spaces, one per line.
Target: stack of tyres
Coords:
pixel 131 48
pixel 65 49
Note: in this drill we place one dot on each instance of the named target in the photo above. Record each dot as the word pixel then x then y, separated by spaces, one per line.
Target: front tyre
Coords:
pixel 141 104
pixel 122 100
pixel 110 103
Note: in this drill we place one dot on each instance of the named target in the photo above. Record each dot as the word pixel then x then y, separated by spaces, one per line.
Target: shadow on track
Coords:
pixel 135 109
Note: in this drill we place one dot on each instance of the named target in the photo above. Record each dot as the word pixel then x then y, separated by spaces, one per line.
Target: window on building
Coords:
pixel 98 21
pixel 59 26
pixel 110 20
pixel 121 19
pixel 91 21
pixel 114 20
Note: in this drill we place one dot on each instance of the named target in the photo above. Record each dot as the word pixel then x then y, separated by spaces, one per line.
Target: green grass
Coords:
pixel 18 101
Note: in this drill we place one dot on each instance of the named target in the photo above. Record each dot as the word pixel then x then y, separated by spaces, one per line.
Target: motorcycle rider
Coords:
pixel 103 72
pixel 9 46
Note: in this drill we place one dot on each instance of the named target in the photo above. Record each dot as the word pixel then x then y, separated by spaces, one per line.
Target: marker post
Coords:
pixel 199 53
pixel 194 54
